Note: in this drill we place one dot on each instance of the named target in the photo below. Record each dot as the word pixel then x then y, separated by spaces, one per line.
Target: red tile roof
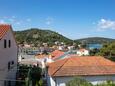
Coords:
pixel 41 56
pixel 56 54
pixel 84 65
pixel 4 29
pixel 82 50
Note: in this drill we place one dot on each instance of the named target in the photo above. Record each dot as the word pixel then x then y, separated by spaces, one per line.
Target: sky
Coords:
pixel 74 19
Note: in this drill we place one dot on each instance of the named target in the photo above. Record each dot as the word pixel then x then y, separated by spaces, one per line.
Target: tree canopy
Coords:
pixel 37 36
pixel 108 51
pixel 82 82
pixel 78 82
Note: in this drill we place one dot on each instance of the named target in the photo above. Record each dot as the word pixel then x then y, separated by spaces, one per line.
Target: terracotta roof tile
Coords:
pixel 85 65
pixel 56 54
pixel 82 50
pixel 55 66
pixel 3 29
pixel 41 56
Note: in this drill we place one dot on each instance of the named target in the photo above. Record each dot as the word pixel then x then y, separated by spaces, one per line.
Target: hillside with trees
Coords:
pixel 38 36
pixel 100 40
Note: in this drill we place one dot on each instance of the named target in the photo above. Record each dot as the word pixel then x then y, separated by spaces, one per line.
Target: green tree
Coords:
pixel 35 75
pixel 22 74
pixel 36 36
pixel 108 51
pixel 94 51
pixel 108 83
pixel 78 82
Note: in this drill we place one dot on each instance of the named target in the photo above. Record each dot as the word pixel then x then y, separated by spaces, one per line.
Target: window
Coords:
pixel 9 44
pixel 9 83
pixel 8 65
pixel 12 62
pixel 5 43
pixel 5 83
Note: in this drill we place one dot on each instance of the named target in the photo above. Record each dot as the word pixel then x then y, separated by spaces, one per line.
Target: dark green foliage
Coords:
pixel 35 75
pixel 78 82
pixel 108 51
pixel 94 51
pixel 38 36
pixel 29 73
pixel 22 74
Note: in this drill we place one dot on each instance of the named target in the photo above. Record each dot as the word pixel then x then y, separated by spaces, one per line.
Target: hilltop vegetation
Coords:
pixel 38 36
pixel 95 40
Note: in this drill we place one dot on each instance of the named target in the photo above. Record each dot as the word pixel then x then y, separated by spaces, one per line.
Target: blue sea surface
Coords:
pixel 93 46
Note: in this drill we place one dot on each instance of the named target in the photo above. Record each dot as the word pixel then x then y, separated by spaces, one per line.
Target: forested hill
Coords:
pixel 38 36
pixel 95 40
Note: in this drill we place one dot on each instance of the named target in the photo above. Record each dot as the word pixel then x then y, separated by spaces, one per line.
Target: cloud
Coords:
pixel 49 21
pixel 83 35
pixel 13 20
pixel 28 20
pixel 18 23
pixel 14 17
pixel 8 20
pixel 104 24
pixel 2 21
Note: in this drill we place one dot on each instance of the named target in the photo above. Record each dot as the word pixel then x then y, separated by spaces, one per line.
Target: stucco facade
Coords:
pixel 82 52
pixel 8 59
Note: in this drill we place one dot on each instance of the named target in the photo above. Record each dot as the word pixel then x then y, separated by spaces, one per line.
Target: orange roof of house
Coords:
pixel 3 29
pixel 84 65
pixel 82 49
pixel 56 54
pixel 40 56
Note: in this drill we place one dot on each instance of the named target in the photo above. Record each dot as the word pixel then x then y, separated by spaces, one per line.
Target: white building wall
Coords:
pixel 7 55
pixel 61 81
pixel 44 61
pixel 51 81
pixel 81 53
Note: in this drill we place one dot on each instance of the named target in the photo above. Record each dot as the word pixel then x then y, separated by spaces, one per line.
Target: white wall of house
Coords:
pixel 8 55
pixel 44 61
pixel 61 81
pixel 51 81
pixel 81 53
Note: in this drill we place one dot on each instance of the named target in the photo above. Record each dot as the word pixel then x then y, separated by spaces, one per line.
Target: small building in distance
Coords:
pixel 82 52
pixel 43 59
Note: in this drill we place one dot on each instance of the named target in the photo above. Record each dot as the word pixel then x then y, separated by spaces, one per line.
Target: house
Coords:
pixel 82 52
pixel 43 59
pixel 60 47
pixel 8 56
pixel 67 54
pixel 57 53
pixel 95 69
pixel 27 45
